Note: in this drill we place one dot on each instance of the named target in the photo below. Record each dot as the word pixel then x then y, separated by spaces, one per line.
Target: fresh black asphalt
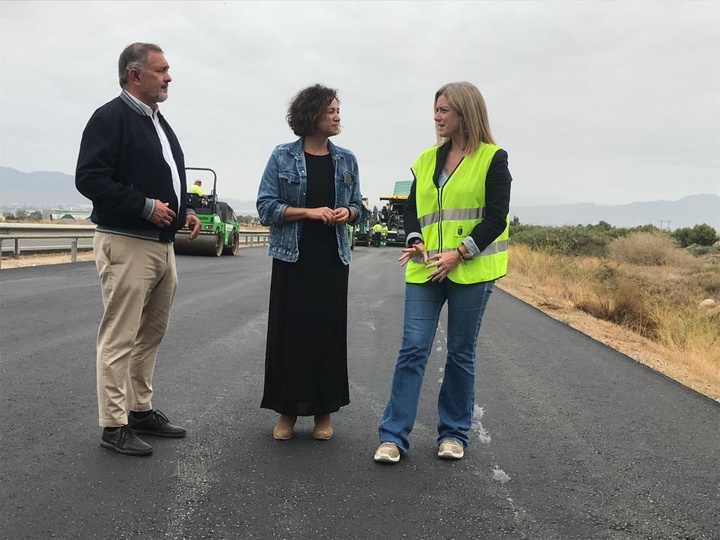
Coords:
pixel 572 440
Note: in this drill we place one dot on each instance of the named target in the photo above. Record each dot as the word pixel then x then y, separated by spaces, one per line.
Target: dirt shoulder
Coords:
pixel 630 344
pixel 42 259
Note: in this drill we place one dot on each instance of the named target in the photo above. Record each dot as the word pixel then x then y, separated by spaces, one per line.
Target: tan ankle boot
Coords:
pixel 323 427
pixel 283 430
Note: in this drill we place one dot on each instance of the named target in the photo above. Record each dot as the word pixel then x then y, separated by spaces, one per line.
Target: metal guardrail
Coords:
pixel 30 231
pixel 16 232
pixel 254 238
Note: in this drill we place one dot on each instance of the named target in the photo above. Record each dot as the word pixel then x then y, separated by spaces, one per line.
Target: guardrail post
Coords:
pixel 16 251
pixel 73 250
pixel 0 252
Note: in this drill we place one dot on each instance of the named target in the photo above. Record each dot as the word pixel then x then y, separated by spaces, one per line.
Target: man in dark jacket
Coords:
pixel 132 168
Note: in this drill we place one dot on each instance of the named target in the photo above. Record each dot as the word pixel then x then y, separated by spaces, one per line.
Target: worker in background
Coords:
pixel 197 188
pixel 377 234
pixel 383 234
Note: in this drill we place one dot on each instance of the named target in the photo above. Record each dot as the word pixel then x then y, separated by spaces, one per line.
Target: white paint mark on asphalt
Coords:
pixel 477 426
pixel 218 400
pixel 441 338
pixel 500 475
pixel 195 475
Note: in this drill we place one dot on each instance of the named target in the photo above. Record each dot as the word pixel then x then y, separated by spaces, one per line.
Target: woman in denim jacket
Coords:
pixel 309 191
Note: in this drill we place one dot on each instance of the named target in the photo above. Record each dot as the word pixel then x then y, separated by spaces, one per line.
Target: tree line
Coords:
pixel 594 239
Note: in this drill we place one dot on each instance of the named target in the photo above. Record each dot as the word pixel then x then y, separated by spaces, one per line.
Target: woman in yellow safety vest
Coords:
pixel 456 221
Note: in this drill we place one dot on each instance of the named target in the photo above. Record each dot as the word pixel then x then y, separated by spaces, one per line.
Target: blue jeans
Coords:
pixel 423 303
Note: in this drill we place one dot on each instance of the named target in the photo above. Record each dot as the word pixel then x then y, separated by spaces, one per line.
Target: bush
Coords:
pixel 580 240
pixel 562 240
pixel 648 249
pixel 699 251
pixel 701 235
pixel 621 302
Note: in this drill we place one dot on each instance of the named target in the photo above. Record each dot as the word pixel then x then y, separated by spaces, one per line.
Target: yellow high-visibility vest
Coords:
pixel 448 215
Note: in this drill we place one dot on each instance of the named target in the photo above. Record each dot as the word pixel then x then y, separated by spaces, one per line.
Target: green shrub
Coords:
pixel 699 251
pixel 594 240
pixel 702 235
pixel 562 240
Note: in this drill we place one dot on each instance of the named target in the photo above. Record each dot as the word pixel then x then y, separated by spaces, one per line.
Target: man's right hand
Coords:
pixel 162 215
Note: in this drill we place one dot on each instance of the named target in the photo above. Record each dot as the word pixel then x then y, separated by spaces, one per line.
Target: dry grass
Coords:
pixel 667 298
pixel 648 249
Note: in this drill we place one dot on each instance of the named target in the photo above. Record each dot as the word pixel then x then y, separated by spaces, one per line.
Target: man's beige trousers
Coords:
pixel 138 280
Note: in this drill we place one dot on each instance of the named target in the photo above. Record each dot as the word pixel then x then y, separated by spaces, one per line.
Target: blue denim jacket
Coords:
pixel 284 184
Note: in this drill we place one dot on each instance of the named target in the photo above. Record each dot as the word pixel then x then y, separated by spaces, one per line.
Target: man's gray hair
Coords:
pixel 134 57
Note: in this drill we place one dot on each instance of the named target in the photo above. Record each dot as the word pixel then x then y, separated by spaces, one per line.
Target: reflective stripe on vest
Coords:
pixel 452 213
pixel 448 215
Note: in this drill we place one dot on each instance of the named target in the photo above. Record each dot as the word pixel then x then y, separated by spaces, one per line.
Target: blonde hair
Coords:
pixel 467 101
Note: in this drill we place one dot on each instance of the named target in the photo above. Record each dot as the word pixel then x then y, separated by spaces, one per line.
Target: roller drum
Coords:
pixel 204 244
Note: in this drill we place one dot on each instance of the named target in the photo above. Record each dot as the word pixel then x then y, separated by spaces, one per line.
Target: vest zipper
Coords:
pixel 440 218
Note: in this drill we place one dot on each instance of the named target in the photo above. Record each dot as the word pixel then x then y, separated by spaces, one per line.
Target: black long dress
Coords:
pixel 306 353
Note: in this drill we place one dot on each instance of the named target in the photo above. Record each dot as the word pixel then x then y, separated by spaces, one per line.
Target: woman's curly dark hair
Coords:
pixel 307 107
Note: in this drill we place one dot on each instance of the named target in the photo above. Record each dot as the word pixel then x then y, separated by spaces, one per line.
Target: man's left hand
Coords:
pixel 193 223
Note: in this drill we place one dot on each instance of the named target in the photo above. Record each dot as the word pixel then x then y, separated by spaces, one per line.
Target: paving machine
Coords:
pixel 392 214
pixel 219 226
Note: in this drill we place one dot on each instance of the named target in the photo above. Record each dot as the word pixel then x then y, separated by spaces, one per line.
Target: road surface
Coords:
pixel 571 440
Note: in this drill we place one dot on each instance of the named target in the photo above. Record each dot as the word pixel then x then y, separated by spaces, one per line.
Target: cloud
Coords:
pixel 594 101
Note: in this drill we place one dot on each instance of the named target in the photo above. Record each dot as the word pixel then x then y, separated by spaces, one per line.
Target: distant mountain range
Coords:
pixel 686 212
pixel 49 190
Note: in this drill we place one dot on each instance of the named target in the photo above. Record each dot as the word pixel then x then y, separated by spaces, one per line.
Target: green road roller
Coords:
pixel 219 226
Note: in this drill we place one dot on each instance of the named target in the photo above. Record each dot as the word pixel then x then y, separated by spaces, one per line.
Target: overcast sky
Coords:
pixel 605 102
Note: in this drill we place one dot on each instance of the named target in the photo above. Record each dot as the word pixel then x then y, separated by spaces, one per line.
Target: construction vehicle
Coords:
pixel 361 232
pixel 392 214
pixel 219 226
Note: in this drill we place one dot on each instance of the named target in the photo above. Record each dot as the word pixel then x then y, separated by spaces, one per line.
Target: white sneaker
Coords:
pixel 387 452
pixel 450 449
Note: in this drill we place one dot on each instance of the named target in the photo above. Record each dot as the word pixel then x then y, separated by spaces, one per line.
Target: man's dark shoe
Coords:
pixel 156 423
pixel 124 441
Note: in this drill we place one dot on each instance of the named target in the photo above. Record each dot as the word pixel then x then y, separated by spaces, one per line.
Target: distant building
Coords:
pixel 77 215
